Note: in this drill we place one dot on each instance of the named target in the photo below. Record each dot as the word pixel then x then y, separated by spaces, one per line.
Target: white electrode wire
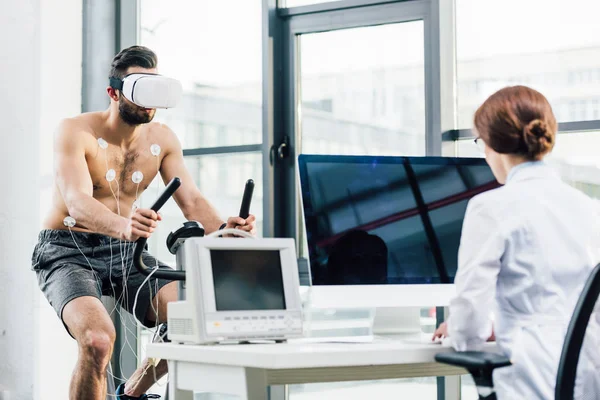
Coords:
pixel 124 295
pixel 110 244
pixel 97 282
pixel 111 250
pixel 157 320
pixel 125 291
pixel 154 309
pixel 156 258
pixel 125 288
pixel 117 199
pixel 156 266
pixel 86 259
pixel 135 383
pixel 137 295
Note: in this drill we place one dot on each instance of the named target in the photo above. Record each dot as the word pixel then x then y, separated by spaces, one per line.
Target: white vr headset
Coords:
pixel 149 90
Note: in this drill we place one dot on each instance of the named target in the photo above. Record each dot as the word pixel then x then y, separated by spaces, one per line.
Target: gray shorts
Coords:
pixel 71 265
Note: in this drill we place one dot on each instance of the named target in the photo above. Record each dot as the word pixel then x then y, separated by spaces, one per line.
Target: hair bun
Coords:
pixel 537 128
pixel 537 138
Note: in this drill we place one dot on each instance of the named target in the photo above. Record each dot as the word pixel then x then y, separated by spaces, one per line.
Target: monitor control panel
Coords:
pixel 280 324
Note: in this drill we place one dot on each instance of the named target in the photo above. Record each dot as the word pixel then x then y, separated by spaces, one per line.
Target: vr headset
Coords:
pixel 149 90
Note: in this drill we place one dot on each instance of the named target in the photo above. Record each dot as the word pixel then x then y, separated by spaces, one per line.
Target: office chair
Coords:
pixel 482 364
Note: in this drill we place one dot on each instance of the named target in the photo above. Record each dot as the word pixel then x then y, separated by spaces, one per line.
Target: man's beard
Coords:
pixel 133 115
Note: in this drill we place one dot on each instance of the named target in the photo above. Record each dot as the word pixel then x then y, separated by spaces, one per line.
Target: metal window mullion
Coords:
pixel 432 86
pixel 578 126
pixel 206 151
pixel 128 23
pixel 443 29
pixel 445 13
pixel 332 6
pixel 440 75
pixel 376 13
pixel 359 17
pixel 563 128
pixel 273 116
pixel 291 99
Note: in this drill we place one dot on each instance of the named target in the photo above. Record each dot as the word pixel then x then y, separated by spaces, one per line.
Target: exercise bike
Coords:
pixel 174 240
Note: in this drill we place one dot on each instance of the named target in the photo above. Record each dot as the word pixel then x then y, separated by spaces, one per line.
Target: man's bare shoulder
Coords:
pixel 80 128
pixel 164 136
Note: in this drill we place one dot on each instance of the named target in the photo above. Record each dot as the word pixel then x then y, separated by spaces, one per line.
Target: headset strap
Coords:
pixel 116 83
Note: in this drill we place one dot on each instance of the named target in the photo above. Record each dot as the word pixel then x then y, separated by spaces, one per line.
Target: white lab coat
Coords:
pixel 526 251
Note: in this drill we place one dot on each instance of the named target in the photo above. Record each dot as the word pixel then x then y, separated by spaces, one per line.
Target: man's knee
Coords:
pixel 97 343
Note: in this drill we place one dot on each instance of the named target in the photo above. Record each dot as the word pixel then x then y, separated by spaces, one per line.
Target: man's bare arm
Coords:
pixel 188 197
pixel 75 185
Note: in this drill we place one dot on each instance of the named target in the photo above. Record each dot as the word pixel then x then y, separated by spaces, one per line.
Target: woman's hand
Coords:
pixel 492 338
pixel 441 332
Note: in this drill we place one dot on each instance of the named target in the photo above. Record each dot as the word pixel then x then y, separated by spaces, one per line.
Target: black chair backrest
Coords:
pixel 569 359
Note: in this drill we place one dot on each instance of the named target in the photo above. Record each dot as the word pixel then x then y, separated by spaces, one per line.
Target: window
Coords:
pixel 221 179
pixel 574 156
pixel 215 50
pixel 596 109
pixel 559 39
pixel 297 3
pixel 373 80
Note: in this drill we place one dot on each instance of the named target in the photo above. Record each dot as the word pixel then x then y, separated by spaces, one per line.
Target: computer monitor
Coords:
pixel 386 230
pixel 237 289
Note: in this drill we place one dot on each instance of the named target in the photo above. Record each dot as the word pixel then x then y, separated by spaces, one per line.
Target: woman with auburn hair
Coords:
pixel 526 251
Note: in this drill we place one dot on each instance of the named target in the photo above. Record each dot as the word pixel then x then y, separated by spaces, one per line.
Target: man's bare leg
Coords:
pixel 146 375
pixel 93 329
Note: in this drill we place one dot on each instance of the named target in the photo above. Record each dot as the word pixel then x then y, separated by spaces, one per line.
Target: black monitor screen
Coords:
pixel 394 220
pixel 247 280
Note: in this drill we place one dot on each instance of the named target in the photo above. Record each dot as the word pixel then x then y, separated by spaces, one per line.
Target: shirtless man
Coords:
pixel 75 269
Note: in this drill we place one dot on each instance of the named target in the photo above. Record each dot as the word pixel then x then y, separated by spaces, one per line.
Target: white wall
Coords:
pixel 40 64
pixel 19 210
pixel 60 95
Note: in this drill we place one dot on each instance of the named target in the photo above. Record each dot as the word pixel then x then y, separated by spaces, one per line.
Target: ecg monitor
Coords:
pixel 237 290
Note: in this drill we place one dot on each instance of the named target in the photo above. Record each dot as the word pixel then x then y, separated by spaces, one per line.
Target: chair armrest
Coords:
pixel 474 360
pixel 480 365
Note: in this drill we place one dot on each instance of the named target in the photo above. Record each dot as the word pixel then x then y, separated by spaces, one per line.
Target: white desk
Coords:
pixel 249 370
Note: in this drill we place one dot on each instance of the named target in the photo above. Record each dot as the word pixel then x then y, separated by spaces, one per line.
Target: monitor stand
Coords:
pixel 338 324
pixel 332 320
pixel 400 324
pixel 361 324
pixel 397 321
